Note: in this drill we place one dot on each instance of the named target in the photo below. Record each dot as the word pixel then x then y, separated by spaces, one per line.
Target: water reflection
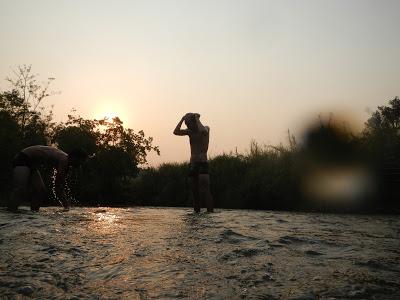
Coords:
pixel 106 218
pixel 105 222
pixel 147 253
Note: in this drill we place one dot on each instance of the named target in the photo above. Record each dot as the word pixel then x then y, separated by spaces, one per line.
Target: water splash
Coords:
pixel 53 186
pixel 70 185
pixel 70 181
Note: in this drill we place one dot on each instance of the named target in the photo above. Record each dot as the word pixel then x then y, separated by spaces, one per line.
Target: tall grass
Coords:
pixel 261 178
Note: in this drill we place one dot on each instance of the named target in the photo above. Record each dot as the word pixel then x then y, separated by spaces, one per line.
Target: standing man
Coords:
pixel 198 169
pixel 27 181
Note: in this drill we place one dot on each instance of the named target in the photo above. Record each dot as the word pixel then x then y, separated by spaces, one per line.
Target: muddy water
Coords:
pixel 164 253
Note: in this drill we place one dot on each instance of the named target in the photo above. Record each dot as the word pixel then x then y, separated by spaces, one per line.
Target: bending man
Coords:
pixel 198 169
pixel 27 181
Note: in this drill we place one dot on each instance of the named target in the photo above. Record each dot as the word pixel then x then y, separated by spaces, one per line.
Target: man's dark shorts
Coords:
pixel 197 168
pixel 22 160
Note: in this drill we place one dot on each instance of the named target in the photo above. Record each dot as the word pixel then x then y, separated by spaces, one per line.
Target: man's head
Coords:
pixel 191 120
pixel 77 157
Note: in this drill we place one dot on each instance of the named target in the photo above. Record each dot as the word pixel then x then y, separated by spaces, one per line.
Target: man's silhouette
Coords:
pixel 198 168
pixel 27 181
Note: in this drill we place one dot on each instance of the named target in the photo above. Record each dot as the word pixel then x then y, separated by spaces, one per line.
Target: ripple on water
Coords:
pixel 230 236
pixel 146 253
pixel 239 253
pixel 288 239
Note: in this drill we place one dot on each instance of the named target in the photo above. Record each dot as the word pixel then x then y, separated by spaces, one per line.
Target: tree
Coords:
pixel 116 153
pixel 135 144
pixel 23 122
pixel 10 141
pixel 23 101
pixel 382 130
pixel 385 118
pixel 76 133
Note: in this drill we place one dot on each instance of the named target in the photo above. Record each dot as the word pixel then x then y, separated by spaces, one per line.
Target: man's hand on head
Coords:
pixel 187 116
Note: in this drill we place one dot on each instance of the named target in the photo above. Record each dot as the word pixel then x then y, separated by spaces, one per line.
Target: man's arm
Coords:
pixel 178 130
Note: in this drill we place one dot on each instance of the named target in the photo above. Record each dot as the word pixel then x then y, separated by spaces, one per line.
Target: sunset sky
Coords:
pixel 252 69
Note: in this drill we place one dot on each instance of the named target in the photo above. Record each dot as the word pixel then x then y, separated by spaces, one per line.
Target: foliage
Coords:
pixel 381 135
pixel 115 151
pixel 270 177
pixel 385 117
pixel 24 101
pixel 23 122
pixel 114 135
pixel 258 179
pixel 10 140
pixel 265 177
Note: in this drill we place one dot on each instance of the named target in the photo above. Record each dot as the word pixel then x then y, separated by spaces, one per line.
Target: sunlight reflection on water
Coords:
pixel 106 218
pixel 143 253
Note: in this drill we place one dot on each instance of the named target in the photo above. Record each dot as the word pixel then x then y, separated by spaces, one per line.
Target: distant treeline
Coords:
pixel 332 169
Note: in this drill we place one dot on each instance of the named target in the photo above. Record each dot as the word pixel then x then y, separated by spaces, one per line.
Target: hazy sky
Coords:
pixel 252 69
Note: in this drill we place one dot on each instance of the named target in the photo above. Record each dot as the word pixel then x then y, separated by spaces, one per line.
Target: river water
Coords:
pixel 171 253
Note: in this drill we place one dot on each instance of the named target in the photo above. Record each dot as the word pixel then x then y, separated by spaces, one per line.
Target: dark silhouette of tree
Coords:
pixel 115 135
pixel 266 177
pixel 385 117
pixel 381 140
pixel 76 133
pixel 116 152
pixel 23 122
pixel 10 142
pixel 382 131
pixel 23 102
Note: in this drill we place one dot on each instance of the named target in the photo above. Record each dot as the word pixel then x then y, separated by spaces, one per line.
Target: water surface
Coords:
pixel 167 253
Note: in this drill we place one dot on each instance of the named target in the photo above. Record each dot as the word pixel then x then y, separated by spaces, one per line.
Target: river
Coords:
pixel 171 253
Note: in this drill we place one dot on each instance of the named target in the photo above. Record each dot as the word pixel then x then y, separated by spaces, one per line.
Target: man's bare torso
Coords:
pixel 199 141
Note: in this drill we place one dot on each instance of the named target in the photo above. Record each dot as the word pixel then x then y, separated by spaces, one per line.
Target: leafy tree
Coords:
pixel 23 122
pixel 26 84
pixel 115 135
pixel 116 153
pixel 10 140
pixel 382 131
pixel 385 117
pixel 76 133
pixel 23 102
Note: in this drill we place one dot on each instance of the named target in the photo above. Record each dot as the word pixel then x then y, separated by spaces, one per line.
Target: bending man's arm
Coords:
pixel 178 130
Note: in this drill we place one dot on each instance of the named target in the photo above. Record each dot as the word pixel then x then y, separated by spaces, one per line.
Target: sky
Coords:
pixel 252 69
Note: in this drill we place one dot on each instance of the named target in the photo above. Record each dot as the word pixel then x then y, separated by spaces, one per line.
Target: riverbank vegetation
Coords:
pixel 332 169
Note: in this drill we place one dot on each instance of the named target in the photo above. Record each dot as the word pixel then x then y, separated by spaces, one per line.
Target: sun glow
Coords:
pixel 109 111
pixel 110 115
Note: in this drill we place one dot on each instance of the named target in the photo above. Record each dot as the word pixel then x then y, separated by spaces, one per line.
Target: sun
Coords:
pixel 110 115
pixel 110 109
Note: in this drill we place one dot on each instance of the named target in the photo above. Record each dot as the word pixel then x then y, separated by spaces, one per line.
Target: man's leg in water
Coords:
pixel 204 191
pixel 21 176
pixel 194 183
pixel 38 190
